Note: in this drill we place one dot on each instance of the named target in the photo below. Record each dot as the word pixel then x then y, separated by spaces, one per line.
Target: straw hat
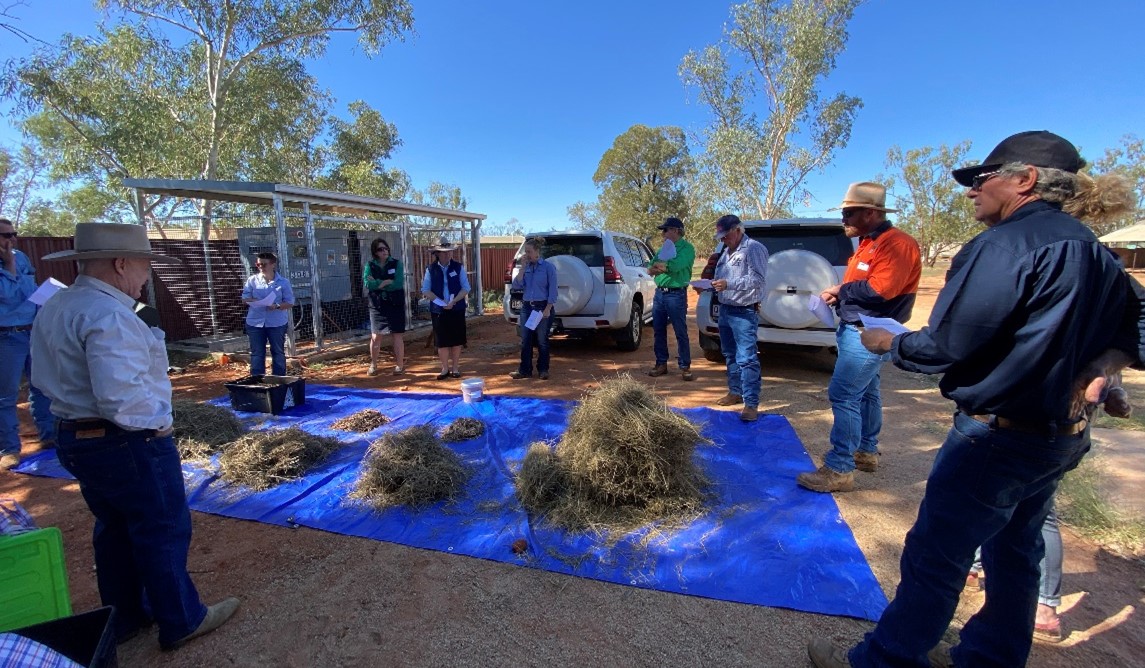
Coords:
pixel 442 246
pixel 110 240
pixel 866 195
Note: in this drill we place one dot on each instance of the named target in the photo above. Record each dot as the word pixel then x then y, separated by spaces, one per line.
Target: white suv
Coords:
pixel 602 284
pixel 806 256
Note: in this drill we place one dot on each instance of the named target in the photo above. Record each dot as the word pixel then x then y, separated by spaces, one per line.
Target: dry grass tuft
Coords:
pixel 362 421
pixel 263 459
pixel 462 429
pixel 202 429
pixel 624 462
pixel 409 468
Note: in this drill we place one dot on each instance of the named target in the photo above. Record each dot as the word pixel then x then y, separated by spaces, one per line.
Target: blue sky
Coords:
pixel 515 102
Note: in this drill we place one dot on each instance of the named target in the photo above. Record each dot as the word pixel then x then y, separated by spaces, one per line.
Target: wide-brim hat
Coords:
pixel 442 246
pixel 1033 147
pixel 110 240
pixel 866 195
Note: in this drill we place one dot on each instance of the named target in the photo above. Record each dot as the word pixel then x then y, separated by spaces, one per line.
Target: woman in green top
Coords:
pixel 383 278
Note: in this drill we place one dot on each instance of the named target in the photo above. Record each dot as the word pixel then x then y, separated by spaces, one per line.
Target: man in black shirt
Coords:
pixel 1028 304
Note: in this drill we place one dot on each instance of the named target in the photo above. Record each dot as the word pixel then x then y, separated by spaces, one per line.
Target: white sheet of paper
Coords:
pixel 46 290
pixel 821 310
pixel 667 251
pixel 268 300
pixel 534 319
pixel 439 302
pixel 702 283
pixel 890 324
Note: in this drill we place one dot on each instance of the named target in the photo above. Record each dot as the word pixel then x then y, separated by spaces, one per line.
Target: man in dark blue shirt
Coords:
pixel 1028 304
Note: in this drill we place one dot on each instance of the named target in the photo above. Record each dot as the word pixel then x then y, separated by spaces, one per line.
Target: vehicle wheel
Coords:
pixel 711 348
pixel 629 338
pixel 574 284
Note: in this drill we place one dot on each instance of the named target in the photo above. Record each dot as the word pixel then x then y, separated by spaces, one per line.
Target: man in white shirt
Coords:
pixel 105 372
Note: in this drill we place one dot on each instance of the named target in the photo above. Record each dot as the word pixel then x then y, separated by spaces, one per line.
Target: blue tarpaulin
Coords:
pixel 766 541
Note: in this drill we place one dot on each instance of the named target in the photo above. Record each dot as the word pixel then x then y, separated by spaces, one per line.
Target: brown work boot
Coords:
pixel 9 461
pixel 659 370
pixel 826 480
pixel 826 654
pixel 939 656
pixel 686 374
pixel 217 615
pixel 729 399
pixel 749 414
pixel 868 462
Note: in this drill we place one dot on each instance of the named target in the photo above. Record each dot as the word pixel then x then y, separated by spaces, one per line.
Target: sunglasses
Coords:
pixel 850 213
pixel 977 182
pixel 264 264
pixel 8 235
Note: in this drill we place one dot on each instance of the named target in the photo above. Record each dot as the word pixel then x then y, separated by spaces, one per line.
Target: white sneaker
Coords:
pixel 373 371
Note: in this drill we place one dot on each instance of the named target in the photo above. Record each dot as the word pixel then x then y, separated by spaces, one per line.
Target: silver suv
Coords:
pixel 602 284
pixel 806 256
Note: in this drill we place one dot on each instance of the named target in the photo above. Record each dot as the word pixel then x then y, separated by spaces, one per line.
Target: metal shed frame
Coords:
pixel 281 196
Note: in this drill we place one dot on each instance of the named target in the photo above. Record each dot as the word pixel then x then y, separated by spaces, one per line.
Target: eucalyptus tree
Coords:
pixel 771 126
pixel 933 208
pixel 643 178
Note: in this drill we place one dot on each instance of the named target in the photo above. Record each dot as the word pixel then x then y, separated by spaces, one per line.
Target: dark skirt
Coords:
pixel 449 328
pixel 389 313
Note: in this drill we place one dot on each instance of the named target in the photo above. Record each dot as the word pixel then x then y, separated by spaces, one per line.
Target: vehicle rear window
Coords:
pixel 588 249
pixel 832 244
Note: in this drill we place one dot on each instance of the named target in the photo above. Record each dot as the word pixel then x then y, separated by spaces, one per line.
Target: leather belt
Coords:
pixel 17 328
pixel 97 428
pixel 1043 428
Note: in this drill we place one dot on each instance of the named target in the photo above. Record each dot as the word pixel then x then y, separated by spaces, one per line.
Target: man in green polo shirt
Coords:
pixel 671 304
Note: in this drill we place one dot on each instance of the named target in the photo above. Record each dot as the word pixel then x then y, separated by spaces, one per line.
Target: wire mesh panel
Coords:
pixel 324 257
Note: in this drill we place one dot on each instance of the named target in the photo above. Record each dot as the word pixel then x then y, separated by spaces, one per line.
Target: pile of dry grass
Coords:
pixel 462 429
pixel 201 430
pixel 409 467
pixel 624 462
pixel 264 459
pixel 365 420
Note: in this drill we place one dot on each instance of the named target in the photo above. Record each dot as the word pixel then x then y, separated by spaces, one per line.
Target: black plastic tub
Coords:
pixel 267 394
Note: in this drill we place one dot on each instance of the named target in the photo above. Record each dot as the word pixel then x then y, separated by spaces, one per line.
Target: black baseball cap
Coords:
pixel 1034 147
pixel 671 222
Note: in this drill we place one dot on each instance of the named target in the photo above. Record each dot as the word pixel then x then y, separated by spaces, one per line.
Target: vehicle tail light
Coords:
pixel 509 272
pixel 611 275
pixel 710 268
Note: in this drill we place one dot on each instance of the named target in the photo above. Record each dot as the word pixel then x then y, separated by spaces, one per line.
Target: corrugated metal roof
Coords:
pixel 253 192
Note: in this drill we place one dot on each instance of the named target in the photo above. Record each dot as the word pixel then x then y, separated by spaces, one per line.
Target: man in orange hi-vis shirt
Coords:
pixel 881 281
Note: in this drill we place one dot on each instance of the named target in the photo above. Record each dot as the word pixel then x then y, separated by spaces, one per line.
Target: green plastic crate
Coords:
pixel 33 579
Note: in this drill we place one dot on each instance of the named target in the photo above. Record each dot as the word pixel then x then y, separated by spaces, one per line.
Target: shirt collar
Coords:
pixel 1028 210
pixel 96 284
pixel 879 230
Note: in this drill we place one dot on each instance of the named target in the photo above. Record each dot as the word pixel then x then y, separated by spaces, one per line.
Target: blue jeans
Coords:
pixel 133 484
pixel 15 365
pixel 671 307
pixel 738 330
pixel 530 337
pixel 259 337
pixel 855 401
pixel 1050 585
pixel 988 487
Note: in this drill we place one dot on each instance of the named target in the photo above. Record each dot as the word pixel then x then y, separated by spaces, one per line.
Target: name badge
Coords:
pixel 392 271
pixel 863 266
pixel 453 273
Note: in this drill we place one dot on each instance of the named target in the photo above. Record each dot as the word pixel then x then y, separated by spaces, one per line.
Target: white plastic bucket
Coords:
pixel 473 389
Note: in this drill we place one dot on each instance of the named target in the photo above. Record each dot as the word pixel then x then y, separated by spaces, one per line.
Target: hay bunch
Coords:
pixel 625 461
pixel 409 467
pixel 201 430
pixel 365 420
pixel 263 459
pixel 462 429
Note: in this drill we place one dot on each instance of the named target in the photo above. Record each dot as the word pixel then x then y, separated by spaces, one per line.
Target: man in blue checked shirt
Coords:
pixel 741 281
pixel 17 283
pixel 539 281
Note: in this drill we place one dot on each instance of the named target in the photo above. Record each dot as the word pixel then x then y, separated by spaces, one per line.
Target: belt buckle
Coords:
pixel 91 433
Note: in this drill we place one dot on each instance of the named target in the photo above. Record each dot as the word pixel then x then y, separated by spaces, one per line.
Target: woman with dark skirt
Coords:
pixel 445 285
pixel 383 277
